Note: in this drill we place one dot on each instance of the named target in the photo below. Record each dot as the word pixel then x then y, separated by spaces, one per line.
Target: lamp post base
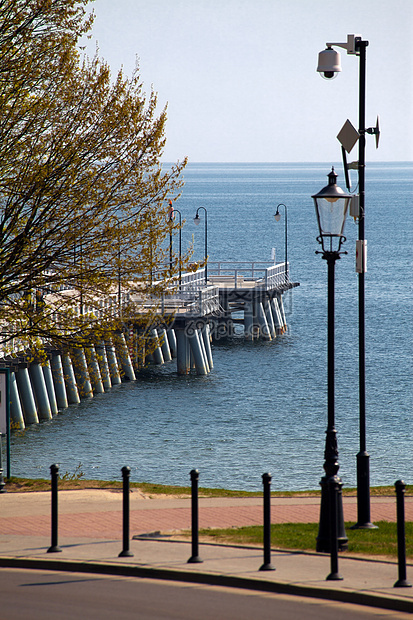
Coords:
pixel 323 538
pixel 363 493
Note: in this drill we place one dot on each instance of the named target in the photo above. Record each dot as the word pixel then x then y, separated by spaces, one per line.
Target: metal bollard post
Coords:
pixel 2 481
pixel 54 472
pixel 401 536
pixel 194 559
pixel 125 553
pixel 266 481
pixel 333 488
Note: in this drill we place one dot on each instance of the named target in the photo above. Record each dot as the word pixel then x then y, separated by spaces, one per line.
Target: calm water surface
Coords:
pixel 263 408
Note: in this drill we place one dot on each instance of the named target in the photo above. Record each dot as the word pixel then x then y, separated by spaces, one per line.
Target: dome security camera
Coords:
pixel 329 63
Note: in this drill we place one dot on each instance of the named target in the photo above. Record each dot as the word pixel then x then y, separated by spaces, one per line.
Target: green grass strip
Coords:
pixel 302 536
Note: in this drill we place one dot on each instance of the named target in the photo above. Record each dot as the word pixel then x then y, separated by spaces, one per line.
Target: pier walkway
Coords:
pixel 90 534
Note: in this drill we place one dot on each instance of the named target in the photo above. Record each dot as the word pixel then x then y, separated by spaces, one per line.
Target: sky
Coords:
pixel 239 76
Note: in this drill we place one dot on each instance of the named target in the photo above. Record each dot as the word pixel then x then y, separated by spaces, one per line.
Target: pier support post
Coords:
pixel 59 381
pixel 70 380
pixel 281 306
pixel 206 335
pixel 269 317
pixel 183 357
pixel 196 351
pixel 103 365
pixel 157 353
pixel 278 322
pixel 16 412
pixel 26 396
pixel 94 370
pixel 249 321
pixel 113 364
pixel 262 320
pixel 166 352
pixel 40 391
pixel 51 393
pixel 203 351
pixel 172 342
pixel 124 357
pixel 84 384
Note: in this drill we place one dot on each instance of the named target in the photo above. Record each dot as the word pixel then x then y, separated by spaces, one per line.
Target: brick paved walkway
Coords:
pixel 104 520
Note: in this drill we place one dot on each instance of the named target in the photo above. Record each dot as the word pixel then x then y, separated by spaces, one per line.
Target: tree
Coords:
pixel 83 195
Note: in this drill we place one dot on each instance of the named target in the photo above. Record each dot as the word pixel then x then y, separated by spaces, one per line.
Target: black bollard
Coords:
pixel 125 553
pixel 266 481
pixel 333 489
pixel 194 559
pixel 54 472
pixel 2 481
pixel 401 536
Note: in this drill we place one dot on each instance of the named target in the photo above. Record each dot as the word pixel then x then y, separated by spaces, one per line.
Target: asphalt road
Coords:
pixel 48 595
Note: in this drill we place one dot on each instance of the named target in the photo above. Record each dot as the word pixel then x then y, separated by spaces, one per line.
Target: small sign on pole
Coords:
pixel 361 256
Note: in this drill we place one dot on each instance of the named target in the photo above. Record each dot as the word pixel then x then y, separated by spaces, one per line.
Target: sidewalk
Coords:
pixel 90 536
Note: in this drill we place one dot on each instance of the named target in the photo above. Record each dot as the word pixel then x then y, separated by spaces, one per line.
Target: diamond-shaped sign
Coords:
pixel 348 136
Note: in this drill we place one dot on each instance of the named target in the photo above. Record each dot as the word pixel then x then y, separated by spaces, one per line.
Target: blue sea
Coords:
pixel 264 406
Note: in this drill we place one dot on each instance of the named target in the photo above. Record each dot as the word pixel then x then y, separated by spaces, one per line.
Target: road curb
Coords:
pixel 213 579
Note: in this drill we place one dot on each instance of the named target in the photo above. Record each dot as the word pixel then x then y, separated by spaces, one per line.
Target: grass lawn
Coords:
pixel 302 536
pixel 71 481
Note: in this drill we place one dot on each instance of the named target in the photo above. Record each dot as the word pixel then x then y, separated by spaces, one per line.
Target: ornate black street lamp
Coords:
pixel 277 217
pixel 331 205
pixel 197 220
pixel 329 66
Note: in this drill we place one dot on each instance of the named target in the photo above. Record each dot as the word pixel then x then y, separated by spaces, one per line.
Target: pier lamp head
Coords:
pixel 329 63
pixel 197 219
pixel 277 215
pixel 331 205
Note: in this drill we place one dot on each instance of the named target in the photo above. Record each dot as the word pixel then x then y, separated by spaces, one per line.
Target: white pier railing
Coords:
pixel 265 276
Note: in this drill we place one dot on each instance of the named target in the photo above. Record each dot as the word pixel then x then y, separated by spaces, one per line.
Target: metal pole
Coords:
pixel 125 553
pixel 194 559
pixel 363 458
pixel 266 481
pixel 286 239
pixel 333 488
pixel 2 481
pixel 206 246
pixel 8 439
pixel 54 472
pixel 331 465
pixel 401 536
pixel 286 242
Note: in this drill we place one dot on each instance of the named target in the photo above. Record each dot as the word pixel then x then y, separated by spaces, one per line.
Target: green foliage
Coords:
pixel 83 195
pixel 76 475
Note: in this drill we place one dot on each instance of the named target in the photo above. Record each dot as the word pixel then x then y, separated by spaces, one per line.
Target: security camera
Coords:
pixel 329 75
pixel 329 63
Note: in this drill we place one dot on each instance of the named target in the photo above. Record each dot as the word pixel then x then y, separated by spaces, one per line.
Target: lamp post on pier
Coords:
pixel 171 215
pixel 331 205
pixel 329 66
pixel 197 220
pixel 277 217
pixel 180 244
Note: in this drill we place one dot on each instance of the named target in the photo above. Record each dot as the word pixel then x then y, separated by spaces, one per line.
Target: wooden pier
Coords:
pixel 236 299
